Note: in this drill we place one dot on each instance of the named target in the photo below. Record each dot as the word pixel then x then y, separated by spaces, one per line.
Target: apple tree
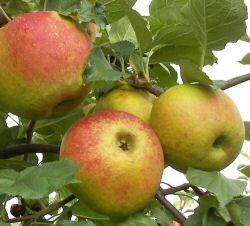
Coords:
pixel 170 46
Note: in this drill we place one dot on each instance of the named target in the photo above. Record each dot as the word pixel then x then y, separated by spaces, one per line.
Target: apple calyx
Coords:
pixel 125 141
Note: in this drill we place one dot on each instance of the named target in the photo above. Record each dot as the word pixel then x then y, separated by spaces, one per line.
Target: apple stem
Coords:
pixel 150 86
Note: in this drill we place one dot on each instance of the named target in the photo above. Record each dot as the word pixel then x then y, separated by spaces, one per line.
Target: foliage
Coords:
pixel 177 34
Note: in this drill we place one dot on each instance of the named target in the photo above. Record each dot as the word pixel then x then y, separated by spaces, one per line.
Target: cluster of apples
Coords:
pixel 123 147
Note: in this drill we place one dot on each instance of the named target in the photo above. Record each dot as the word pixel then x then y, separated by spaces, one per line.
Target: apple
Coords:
pixel 175 223
pixel 199 126
pixel 121 162
pixel 42 60
pixel 128 99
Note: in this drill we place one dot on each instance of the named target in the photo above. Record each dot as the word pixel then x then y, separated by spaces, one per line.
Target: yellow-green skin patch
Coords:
pixel 198 127
pixel 128 99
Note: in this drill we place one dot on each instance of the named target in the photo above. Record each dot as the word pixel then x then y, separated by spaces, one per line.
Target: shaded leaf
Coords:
pixel 123 49
pixel 206 202
pixel 205 219
pixel 245 38
pixel 14 164
pixel 235 213
pixel 45 179
pixel 16 8
pixel 246 59
pixel 82 210
pixel 4 224
pixel 164 74
pixel 244 208
pixel 9 136
pixel 158 211
pixel 192 73
pixel 100 70
pixel 224 188
pixel 245 169
pixel 137 62
pixel 138 219
pixel 247 130
pixel 52 130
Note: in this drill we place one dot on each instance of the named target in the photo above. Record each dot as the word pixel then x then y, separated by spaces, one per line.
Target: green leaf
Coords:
pixel 207 202
pixel 169 25
pixel 235 213
pixel 174 54
pixel 15 8
pixel 82 210
pixel 245 169
pixel 158 211
pixel 52 130
pixel 4 224
pixel 246 59
pixel 243 210
pixel 9 136
pixel 131 26
pixel 192 73
pixel 14 164
pixel 138 219
pixel 122 30
pixel 100 70
pixel 205 219
pixel 247 130
pixel 139 25
pixel 245 38
pixel 164 74
pixel 84 10
pixel 198 24
pixel 123 49
pixel 216 23
pixel 115 9
pixel 224 188
pixel 37 181
pixel 58 5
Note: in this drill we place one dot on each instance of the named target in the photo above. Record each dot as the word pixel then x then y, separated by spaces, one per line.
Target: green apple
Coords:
pixel 121 162
pixel 128 99
pixel 42 60
pixel 198 126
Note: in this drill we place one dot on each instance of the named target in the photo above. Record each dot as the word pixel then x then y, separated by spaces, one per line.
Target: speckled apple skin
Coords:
pixel 199 126
pixel 42 60
pixel 128 99
pixel 115 182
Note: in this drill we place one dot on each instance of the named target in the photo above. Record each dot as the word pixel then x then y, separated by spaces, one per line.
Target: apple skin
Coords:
pixel 198 126
pixel 42 60
pixel 121 162
pixel 128 99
